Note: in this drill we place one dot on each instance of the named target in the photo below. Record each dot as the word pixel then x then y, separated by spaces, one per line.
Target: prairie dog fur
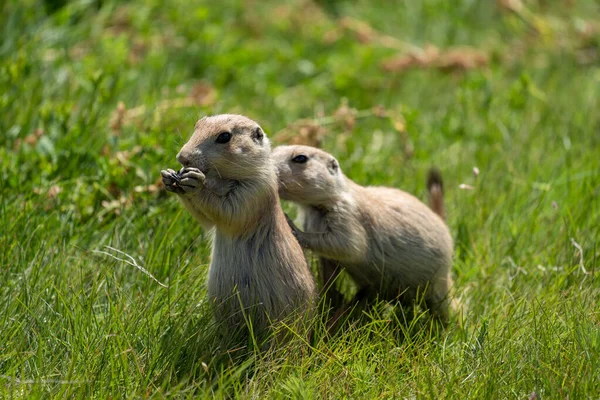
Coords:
pixel 388 241
pixel 228 181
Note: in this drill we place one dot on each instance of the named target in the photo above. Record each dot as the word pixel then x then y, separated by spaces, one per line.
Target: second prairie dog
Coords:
pixel 387 240
pixel 258 270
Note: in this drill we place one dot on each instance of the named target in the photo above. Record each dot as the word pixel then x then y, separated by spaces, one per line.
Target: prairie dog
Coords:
pixel 228 180
pixel 388 241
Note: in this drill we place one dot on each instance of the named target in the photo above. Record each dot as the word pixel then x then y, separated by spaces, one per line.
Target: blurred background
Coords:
pixel 88 84
pixel 86 76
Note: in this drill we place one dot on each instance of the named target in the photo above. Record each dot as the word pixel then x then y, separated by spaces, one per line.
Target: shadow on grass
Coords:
pixel 206 357
pixel 202 359
pixel 408 321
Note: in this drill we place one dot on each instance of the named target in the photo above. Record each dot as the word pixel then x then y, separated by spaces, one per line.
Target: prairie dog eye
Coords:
pixel 300 159
pixel 223 137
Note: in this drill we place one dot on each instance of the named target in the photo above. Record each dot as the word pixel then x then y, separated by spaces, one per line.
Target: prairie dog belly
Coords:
pixel 238 281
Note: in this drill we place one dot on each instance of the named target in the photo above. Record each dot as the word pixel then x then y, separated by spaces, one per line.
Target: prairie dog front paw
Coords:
pixel 171 179
pixel 298 234
pixel 191 179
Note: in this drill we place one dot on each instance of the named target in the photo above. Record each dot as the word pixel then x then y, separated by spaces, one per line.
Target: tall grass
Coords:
pixel 78 175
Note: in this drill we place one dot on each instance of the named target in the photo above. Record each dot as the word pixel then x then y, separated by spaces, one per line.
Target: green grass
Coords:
pixel 75 323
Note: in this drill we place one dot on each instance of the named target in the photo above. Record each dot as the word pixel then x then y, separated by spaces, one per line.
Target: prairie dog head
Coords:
pixel 307 175
pixel 227 146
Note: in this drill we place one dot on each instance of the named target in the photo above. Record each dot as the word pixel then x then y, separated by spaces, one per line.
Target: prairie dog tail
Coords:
pixel 435 186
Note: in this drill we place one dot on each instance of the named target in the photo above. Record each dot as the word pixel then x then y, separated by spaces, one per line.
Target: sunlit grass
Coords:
pixel 78 173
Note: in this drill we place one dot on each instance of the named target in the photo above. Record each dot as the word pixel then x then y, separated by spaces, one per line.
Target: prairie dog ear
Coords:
pixel 258 134
pixel 333 166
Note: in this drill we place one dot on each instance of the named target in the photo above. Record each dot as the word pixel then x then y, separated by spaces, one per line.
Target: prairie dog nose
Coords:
pixel 183 158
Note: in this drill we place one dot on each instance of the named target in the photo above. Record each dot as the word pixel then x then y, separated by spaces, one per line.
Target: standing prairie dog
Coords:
pixel 258 270
pixel 389 242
